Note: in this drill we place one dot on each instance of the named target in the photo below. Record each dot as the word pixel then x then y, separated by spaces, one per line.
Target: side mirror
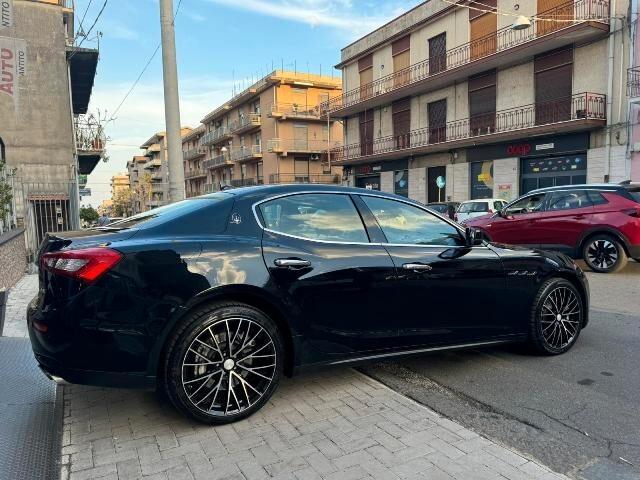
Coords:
pixel 470 236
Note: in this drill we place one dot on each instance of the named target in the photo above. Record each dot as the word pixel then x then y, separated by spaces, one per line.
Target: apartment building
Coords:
pixel 139 182
pixel 272 132
pixel 451 102
pixel 633 92
pixel 195 175
pixel 153 177
pixel 45 87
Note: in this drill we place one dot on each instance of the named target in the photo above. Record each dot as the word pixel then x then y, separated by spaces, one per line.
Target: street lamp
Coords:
pixel 521 23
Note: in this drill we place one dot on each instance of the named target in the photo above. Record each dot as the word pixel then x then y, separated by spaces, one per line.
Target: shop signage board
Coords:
pixel 6 14
pixel 13 66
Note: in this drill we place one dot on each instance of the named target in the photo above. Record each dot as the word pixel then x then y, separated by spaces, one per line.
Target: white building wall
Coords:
pixel 382 62
pixel 350 77
pixel 352 130
pixel 386 182
pixel 515 87
pixel 418 184
pixel 590 68
pixel 457 187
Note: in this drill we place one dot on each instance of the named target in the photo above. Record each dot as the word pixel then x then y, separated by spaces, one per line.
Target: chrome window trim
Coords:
pixel 255 206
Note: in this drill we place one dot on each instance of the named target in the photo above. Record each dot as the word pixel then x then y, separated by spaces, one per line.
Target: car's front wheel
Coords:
pixel 604 254
pixel 556 317
pixel 223 363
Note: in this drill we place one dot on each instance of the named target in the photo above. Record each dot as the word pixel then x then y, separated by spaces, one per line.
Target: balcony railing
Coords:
pixel 195 173
pixel 90 136
pixel 215 136
pixel 584 106
pixel 245 123
pixel 246 182
pixel 297 111
pixel 217 161
pixel 246 153
pixel 282 145
pixel 151 164
pixel 210 188
pixel 507 38
pixel 328 178
pixel 633 82
pixel 194 153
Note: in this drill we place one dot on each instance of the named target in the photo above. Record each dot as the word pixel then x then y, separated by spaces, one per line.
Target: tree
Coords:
pixel 89 214
pixel 6 194
pixel 123 203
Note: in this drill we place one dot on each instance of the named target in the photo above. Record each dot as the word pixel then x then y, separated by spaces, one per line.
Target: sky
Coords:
pixel 220 43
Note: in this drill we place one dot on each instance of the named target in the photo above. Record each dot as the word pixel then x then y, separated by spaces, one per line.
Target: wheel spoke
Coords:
pixel 201 386
pixel 252 370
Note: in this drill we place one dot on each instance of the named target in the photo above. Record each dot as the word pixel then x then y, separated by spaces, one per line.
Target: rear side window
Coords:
pixel 530 204
pixel 596 198
pixel 569 200
pixel 635 194
pixel 327 217
pixel 472 207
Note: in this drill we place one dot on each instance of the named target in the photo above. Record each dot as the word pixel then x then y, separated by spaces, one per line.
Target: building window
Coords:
pixel 481 179
pixel 301 170
pixel 437 118
pixel 400 50
pixel 438 53
pixel 482 103
pixel 259 174
pixel 401 182
pixel 553 85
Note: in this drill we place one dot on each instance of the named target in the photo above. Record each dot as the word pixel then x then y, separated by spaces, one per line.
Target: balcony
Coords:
pixel 585 111
pixel 217 161
pixel 242 154
pixel 633 84
pixel 195 173
pixel 245 124
pixel 216 136
pixel 151 164
pixel 504 48
pixel 90 143
pixel 296 111
pixel 246 182
pixel 328 178
pixel 283 146
pixel 210 188
pixel 194 153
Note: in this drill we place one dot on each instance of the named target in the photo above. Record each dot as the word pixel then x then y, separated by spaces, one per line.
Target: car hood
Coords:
pixel 512 254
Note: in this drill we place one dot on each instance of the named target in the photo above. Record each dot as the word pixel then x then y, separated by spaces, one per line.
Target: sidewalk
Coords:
pixel 336 425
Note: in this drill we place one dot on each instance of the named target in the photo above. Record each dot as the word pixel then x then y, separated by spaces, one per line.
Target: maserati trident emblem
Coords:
pixel 236 218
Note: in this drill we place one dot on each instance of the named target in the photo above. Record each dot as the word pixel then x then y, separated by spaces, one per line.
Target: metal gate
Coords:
pixel 48 208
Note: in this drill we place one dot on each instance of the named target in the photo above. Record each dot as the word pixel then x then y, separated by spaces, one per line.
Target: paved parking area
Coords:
pixel 338 424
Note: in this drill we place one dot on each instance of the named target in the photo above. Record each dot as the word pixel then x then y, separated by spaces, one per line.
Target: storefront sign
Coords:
pixel 519 150
pixel 13 65
pixel 6 14
pixel 574 142
pixel 545 146
pixel 85 192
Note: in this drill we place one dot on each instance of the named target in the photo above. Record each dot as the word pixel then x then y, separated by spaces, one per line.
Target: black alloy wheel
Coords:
pixel 604 254
pixel 556 318
pixel 224 363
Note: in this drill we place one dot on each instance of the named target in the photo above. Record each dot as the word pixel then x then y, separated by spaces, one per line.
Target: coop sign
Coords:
pixel 6 14
pixel 13 65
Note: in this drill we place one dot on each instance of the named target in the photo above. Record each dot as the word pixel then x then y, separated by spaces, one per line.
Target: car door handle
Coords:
pixel 291 263
pixel 417 266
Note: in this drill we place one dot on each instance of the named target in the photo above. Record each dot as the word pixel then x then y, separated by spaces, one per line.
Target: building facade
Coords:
pixel 450 102
pixel 45 87
pixel 138 185
pixel 272 132
pixel 633 92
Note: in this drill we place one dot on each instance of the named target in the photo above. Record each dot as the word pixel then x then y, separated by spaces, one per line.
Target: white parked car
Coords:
pixel 477 208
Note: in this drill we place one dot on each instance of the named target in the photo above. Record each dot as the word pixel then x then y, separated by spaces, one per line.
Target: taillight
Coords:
pixel 632 212
pixel 87 264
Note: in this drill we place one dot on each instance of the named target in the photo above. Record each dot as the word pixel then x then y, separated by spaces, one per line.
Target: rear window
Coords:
pixel 183 209
pixel 472 207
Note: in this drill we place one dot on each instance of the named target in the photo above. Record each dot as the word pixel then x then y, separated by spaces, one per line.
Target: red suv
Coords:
pixel 598 223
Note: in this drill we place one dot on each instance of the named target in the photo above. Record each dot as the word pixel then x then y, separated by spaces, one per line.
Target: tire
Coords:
pixel 549 335
pixel 604 254
pixel 218 344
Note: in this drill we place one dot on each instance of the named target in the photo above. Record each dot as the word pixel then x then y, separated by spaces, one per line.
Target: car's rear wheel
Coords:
pixel 604 254
pixel 224 363
pixel 556 317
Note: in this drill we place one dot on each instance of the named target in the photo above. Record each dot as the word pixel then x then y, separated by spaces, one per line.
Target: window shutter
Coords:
pixel 438 53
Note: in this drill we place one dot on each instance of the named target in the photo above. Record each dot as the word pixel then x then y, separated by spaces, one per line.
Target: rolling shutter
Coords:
pixel 553 84
pixel 553 10
pixel 482 103
pixel 365 67
pixel 366 132
pixel 400 49
pixel 401 110
pixel 482 29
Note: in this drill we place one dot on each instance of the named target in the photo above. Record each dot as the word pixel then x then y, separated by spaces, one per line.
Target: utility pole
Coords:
pixel 171 102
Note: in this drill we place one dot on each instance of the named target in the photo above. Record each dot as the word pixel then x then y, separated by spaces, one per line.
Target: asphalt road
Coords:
pixel 578 413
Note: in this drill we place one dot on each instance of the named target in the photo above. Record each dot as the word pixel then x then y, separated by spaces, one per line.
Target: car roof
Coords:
pixel 484 200
pixel 589 186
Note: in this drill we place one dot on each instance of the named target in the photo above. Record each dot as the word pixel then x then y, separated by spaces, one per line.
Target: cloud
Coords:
pixel 339 14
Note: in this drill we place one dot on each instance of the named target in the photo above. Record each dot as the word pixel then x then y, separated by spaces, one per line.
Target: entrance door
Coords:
pixel 435 194
pixel 402 123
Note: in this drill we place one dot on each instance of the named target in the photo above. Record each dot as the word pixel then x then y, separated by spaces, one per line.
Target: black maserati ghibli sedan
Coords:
pixel 212 299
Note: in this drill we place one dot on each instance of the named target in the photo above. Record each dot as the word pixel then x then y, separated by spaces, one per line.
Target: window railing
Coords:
pixel 502 40
pixel 194 153
pixel 245 122
pixel 195 173
pixel 90 135
pixel 302 145
pixel 244 182
pixel 325 178
pixel 583 106
pixel 633 82
pixel 216 135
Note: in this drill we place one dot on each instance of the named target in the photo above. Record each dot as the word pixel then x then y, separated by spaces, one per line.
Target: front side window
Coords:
pixel 406 224
pixel 327 217
pixel 530 204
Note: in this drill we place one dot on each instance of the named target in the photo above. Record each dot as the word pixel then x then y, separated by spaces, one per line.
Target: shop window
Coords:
pixel 481 179
pixel 401 182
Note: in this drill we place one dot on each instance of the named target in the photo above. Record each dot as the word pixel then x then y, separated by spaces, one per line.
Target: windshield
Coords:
pixel 171 210
pixel 474 207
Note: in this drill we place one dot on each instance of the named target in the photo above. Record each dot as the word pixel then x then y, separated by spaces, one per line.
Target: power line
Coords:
pixel 84 15
pixel 104 5
pixel 153 55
